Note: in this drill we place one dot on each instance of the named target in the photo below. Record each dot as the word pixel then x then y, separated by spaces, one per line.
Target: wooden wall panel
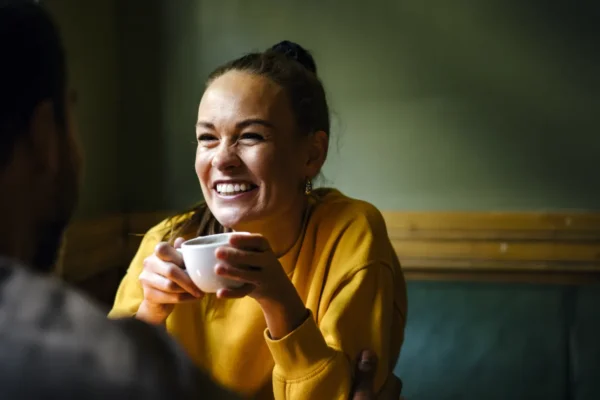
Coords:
pixel 92 246
pixel 493 225
pixel 531 247
pixel 524 247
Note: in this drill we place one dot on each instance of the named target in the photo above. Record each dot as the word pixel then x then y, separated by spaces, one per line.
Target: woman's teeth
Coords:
pixel 233 188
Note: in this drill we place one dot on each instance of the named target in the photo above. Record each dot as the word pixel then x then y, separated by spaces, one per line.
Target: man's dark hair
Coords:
pixel 32 69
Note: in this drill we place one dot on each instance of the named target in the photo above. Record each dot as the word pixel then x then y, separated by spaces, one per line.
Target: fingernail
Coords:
pixel 367 361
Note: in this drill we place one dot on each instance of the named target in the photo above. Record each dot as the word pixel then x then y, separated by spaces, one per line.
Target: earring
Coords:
pixel 308 187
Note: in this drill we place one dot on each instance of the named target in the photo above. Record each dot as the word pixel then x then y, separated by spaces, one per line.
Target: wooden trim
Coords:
pixel 137 225
pixel 529 224
pixel 497 246
pixel 476 250
pixel 486 266
pixel 475 246
pixel 504 277
pixel 92 246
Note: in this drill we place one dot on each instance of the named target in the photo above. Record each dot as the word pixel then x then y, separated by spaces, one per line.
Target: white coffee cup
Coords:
pixel 200 261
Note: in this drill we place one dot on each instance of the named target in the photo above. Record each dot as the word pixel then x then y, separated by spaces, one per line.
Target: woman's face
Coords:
pixel 251 162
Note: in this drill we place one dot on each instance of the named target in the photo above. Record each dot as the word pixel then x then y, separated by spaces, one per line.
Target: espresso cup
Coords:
pixel 200 262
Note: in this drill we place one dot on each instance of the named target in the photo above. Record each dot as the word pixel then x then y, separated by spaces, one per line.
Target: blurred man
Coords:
pixel 53 342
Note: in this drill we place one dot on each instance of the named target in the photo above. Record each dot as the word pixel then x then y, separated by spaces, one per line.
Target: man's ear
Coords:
pixel 318 144
pixel 42 138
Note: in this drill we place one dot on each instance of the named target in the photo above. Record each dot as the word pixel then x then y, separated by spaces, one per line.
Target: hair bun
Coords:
pixel 297 53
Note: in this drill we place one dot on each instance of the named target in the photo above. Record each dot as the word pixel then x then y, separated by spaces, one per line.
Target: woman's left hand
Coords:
pixel 249 259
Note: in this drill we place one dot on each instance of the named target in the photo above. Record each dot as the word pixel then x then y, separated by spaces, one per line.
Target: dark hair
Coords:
pixel 32 69
pixel 293 68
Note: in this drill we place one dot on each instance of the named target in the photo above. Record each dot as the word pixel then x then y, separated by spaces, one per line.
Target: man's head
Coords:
pixel 39 154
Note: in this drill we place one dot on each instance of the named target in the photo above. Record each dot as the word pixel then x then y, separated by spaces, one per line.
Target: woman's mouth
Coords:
pixel 234 188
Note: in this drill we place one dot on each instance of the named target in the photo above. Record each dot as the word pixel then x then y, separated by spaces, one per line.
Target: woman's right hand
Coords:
pixel 165 283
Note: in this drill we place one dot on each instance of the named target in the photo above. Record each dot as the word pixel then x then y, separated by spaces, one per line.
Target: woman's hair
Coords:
pixel 291 67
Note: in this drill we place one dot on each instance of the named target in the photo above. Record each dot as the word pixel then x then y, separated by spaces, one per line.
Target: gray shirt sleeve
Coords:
pixel 57 344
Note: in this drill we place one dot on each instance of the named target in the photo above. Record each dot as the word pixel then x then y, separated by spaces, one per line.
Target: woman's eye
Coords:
pixel 251 136
pixel 206 137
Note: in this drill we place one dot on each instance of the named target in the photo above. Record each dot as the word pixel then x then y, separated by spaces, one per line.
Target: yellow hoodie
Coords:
pixel 347 273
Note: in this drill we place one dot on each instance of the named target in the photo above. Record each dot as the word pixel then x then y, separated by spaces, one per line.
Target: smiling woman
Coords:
pixel 324 281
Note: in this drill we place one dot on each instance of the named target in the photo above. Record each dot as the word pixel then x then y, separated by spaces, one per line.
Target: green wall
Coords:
pixel 468 107
pixel 89 33
pixel 474 106
pixel 143 106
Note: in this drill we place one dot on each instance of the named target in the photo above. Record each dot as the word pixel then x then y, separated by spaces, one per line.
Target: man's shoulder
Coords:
pixel 57 334
pixel 45 303
pixel 43 321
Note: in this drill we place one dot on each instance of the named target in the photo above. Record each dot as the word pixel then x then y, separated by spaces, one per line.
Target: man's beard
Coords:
pixel 48 245
pixel 50 230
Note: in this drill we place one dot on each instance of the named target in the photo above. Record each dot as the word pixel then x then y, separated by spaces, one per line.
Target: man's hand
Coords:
pixel 364 378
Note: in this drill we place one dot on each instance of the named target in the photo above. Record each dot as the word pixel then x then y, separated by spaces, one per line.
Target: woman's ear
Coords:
pixel 318 144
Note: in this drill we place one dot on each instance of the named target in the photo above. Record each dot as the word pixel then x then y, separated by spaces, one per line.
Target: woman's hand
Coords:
pixel 249 259
pixel 365 371
pixel 165 283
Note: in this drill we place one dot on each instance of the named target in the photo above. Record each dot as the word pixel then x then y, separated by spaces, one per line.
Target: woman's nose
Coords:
pixel 226 157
